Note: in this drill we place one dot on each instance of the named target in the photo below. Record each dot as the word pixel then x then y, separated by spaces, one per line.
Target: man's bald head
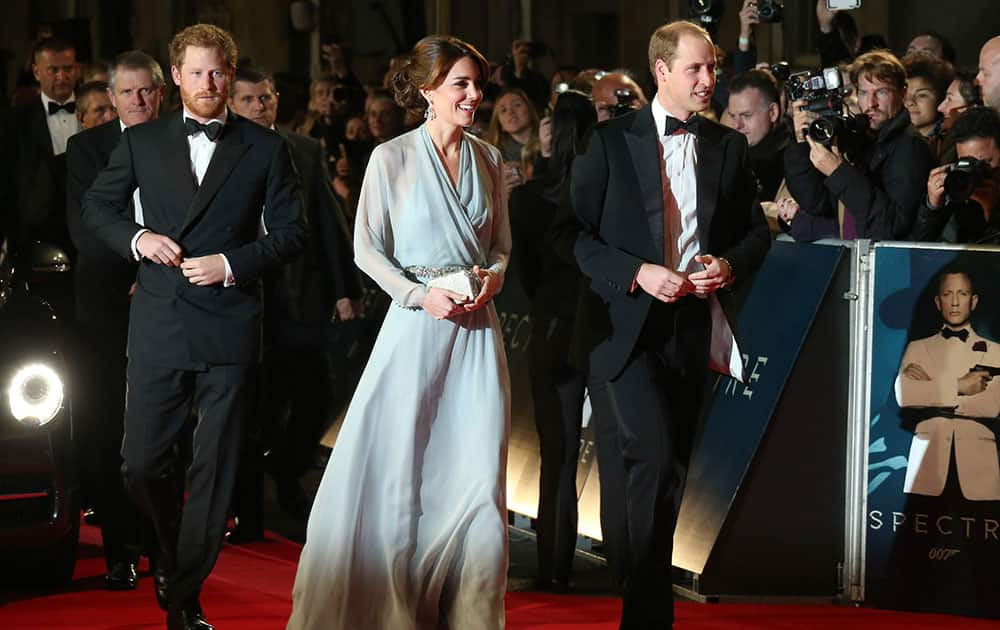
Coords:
pixel 989 72
pixel 604 90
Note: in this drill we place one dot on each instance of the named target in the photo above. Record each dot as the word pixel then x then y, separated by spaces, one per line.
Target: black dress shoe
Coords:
pixel 245 532
pixel 121 577
pixel 161 585
pixel 188 618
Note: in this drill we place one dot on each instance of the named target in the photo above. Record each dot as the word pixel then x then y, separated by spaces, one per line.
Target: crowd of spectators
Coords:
pixel 903 121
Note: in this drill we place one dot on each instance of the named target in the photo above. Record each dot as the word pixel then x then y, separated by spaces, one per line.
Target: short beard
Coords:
pixel 202 109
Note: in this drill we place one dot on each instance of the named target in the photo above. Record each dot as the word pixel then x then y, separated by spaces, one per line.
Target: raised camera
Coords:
pixel 964 176
pixel 823 94
pixel 770 11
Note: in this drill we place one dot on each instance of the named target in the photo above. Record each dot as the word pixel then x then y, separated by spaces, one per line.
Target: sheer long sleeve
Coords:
pixel 373 237
pixel 500 246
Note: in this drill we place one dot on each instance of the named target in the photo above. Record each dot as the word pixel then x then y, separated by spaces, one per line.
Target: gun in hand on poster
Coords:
pixel 989 369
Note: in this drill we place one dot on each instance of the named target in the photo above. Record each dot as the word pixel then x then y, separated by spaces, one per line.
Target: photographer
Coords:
pixel 754 106
pixel 608 91
pixel 871 190
pixel 517 72
pixel 963 199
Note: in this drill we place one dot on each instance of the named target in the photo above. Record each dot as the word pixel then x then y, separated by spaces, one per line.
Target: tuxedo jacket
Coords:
pixel 617 194
pixel 102 278
pixel 33 178
pixel 308 288
pixel 955 424
pixel 174 323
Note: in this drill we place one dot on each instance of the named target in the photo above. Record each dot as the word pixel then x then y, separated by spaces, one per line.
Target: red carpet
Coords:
pixel 250 589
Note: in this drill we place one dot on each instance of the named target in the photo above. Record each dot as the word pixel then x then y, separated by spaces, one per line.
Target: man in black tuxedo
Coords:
pixel 33 145
pixel 204 177
pixel 669 217
pixel 102 287
pixel 301 300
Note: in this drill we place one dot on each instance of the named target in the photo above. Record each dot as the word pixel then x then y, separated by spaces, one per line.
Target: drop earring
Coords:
pixel 429 113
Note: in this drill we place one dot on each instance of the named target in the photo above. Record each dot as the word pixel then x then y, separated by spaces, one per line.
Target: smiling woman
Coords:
pixel 513 125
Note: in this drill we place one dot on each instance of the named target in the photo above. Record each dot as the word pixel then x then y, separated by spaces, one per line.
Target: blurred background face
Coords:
pixel 56 73
pixel 604 96
pixel 356 130
pixel 751 116
pixel 513 114
pixel 921 102
pixel 879 100
pixel 925 45
pixel 989 73
pixel 255 101
pixel 135 95
pixel 321 97
pixel 384 120
pixel 96 109
pixel 953 102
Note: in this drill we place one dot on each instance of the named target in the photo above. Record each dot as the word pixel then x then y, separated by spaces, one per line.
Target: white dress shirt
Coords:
pixel 62 124
pixel 680 238
pixel 201 150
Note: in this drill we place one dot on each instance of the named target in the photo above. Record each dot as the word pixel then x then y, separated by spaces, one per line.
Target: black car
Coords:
pixel 39 497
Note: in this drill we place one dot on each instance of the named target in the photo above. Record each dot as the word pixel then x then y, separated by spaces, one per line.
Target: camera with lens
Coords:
pixel 964 176
pixel 627 101
pixel 823 94
pixel 770 11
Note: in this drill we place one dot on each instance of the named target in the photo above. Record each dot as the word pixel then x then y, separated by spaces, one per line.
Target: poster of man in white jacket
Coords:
pixel 946 379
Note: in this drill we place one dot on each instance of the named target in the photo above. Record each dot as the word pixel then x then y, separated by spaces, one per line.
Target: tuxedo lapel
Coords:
pixel 644 148
pixel 709 172
pixel 228 151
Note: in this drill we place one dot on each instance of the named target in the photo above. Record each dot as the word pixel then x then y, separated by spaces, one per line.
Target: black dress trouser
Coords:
pixel 645 419
pixel 158 403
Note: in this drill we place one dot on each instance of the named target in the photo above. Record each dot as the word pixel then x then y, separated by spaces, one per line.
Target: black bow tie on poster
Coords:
pixel 961 335
pixel 672 125
pixel 211 130
pixel 55 107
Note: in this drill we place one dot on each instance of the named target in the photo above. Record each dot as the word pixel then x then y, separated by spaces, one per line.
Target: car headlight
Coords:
pixel 35 394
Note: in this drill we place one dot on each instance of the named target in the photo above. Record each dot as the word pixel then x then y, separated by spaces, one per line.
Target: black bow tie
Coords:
pixel 54 107
pixel 211 130
pixel 961 335
pixel 672 125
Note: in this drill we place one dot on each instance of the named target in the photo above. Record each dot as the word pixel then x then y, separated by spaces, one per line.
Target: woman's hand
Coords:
pixel 490 281
pixel 442 304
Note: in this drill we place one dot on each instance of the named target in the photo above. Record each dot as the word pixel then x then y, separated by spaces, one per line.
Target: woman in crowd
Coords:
pixel 548 272
pixel 408 529
pixel 927 80
pixel 514 124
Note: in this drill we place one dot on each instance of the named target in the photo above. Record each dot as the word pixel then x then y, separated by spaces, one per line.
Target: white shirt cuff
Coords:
pixel 135 240
pixel 230 278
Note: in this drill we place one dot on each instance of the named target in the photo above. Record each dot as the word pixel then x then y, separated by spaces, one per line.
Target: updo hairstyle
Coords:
pixel 426 67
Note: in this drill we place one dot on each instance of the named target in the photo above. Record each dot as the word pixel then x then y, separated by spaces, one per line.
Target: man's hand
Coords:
pixel 824 16
pixel 348 309
pixel 663 284
pixel 442 304
pixel 715 275
pixel 973 383
pixel 158 248
pixel 801 119
pixel 748 18
pixel 787 209
pixel 935 186
pixel 825 160
pixel 915 372
pixel 205 270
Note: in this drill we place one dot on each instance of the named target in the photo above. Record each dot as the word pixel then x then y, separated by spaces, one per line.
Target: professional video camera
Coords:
pixel 627 101
pixel 770 11
pixel 823 93
pixel 964 176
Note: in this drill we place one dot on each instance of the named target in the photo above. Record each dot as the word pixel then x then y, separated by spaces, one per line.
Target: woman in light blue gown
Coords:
pixel 408 529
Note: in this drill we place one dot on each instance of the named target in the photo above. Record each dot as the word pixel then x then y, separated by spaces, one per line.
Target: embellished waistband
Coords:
pixel 428 273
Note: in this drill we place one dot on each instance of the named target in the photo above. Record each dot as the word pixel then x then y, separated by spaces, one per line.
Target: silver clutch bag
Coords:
pixel 463 282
